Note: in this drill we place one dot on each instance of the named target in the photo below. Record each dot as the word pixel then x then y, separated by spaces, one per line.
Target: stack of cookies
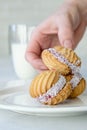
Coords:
pixel 63 79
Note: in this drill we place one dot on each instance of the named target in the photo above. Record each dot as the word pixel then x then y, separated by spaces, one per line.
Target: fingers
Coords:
pixel 65 31
pixel 40 40
pixel 67 23
pixel 35 61
pixel 33 53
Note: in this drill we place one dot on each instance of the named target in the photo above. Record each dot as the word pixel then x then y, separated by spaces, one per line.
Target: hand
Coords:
pixel 66 28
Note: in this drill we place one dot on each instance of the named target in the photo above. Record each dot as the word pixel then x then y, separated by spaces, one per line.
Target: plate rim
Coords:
pixel 43 109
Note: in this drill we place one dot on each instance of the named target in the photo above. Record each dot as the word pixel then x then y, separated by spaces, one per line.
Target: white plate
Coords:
pixel 14 96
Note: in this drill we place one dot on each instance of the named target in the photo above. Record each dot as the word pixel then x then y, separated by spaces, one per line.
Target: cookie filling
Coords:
pixel 62 59
pixel 53 91
pixel 75 80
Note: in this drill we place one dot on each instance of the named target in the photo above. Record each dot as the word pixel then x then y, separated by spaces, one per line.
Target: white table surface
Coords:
pixel 14 121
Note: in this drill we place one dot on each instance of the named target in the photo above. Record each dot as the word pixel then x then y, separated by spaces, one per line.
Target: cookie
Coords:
pixel 50 87
pixel 62 59
pixel 63 79
pixel 78 85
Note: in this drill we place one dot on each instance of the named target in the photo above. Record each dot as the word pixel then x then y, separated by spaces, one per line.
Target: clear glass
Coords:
pixel 19 36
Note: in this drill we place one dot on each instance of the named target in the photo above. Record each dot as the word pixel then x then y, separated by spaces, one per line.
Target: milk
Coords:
pixel 23 69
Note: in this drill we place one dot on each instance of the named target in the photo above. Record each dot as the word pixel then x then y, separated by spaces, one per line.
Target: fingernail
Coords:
pixel 68 44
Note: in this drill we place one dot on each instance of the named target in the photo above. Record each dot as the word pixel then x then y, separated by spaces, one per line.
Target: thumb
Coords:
pixel 65 33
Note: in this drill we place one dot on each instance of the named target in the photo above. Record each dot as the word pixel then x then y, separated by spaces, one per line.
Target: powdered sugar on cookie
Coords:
pixel 75 80
pixel 74 67
pixel 62 59
pixel 53 91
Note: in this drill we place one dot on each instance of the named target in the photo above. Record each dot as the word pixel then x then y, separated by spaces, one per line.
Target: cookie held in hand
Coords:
pixel 62 59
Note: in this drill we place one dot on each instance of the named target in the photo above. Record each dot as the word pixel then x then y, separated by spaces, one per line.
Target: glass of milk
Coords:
pixel 19 38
